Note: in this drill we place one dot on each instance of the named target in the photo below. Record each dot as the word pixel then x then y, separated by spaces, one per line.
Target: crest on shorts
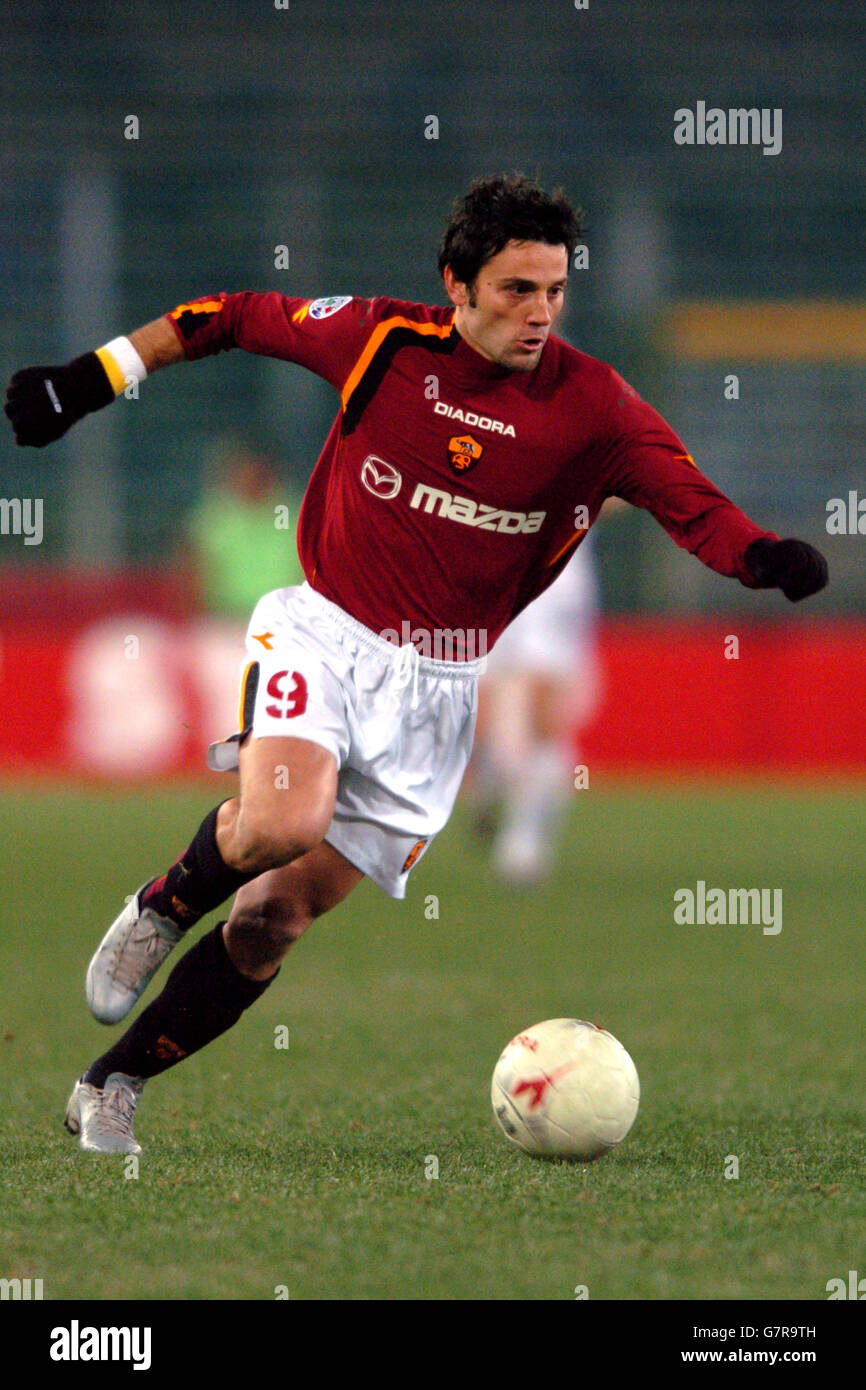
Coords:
pixel 413 854
pixel 464 451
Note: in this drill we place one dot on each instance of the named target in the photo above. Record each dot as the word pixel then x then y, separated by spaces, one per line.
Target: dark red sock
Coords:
pixel 204 995
pixel 198 882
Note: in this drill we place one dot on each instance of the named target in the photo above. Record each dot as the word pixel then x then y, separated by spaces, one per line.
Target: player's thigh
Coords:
pixel 288 787
pixel 550 702
pixel 272 911
pixel 509 713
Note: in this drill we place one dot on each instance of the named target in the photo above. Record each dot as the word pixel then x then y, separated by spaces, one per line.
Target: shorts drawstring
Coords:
pixel 406 663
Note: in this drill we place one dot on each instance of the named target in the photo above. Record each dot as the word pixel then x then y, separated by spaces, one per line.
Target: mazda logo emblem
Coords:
pixel 380 478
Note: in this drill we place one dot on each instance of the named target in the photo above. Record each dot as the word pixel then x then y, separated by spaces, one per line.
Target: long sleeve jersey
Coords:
pixel 451 491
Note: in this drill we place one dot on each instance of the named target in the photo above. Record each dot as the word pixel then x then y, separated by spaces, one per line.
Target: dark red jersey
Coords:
pixel 450 491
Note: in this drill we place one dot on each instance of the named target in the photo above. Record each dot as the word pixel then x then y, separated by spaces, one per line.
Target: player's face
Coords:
pixel 515 301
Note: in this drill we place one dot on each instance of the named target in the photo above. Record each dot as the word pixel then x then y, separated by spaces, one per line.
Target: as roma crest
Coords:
pixel 464 452
pixel 412 855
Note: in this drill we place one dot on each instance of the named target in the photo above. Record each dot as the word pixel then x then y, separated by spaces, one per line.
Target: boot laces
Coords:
pixel 116 1110
pixel 137 952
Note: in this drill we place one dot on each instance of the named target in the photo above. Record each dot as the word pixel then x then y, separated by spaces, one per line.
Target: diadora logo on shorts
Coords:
pixel 479 514
pixel 324 308
pixel 470 417
pixel 380 478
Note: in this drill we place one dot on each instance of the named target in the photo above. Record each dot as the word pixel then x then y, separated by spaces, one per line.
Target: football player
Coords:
pixel 469 442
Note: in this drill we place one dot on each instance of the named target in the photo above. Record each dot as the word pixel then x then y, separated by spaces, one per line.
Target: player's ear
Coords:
pixel 458 293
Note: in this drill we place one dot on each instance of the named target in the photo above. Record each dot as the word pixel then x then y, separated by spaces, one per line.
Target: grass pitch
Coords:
pixel 304 1169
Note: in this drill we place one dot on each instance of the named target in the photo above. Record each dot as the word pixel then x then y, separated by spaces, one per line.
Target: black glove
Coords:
pixel 43 402
pixel 793 566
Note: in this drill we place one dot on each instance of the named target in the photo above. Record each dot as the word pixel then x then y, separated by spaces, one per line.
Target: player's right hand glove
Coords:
pixel 793 566
pixel 43 402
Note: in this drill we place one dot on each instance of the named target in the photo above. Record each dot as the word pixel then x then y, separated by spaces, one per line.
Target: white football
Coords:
pixel 566 1089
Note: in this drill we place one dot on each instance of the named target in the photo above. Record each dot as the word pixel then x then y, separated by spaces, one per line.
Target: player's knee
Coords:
pixel 265 841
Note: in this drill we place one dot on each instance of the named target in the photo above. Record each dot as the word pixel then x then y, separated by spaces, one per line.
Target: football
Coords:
pixel 565 1088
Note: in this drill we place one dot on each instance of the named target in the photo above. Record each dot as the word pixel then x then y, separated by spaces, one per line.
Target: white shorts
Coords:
pixel 399 725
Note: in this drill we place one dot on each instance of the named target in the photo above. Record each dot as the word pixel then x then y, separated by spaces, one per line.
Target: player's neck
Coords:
pixel 473 358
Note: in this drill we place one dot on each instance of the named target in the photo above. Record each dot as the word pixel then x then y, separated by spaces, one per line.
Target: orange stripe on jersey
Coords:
pixel 685 458
pixel 300 314
pixel 204 306
pixel 573 540
pixel 380 332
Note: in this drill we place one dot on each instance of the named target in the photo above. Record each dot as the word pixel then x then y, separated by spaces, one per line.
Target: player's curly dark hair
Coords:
pixel 507 207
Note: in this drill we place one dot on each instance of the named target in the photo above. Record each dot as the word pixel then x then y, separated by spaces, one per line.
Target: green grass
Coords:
pixel 306 1167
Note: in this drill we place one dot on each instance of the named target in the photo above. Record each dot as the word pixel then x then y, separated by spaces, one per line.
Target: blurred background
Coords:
pixel 161 152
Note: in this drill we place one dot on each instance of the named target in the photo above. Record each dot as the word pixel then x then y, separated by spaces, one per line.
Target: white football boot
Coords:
pixel 102 1117
pixel 127 959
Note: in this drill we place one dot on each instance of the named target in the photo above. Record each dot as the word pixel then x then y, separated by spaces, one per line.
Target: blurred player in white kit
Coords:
pixel 542 684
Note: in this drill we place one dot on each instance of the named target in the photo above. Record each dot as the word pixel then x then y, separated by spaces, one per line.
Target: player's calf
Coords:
pixel 272 912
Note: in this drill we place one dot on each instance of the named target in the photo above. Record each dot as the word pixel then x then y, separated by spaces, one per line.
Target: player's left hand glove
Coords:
pixel 793 566
pixel 43 402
